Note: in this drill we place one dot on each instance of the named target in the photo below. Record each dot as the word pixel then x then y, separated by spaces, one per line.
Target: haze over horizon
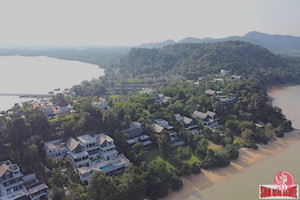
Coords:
pixel 133 22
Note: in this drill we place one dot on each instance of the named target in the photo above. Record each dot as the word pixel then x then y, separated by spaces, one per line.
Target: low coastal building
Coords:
pixel 225 101
pixel 12 114
pixel 49 111
pixel 160 97
pixel 36 189
pixel 161 125
pixel 64 109
pixel 210 92
pixel 89 153
pixel 208 119
pixel 55 149
pixel 14 185
pixel 235 78
pixel 147 91
pixel 101 103
pixel 187 123
pixel 218 80
pixel 134 134
pixel 224 72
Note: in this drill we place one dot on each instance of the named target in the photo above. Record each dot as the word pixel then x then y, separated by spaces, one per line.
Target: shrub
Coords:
pixel 196 169
pixel 175 182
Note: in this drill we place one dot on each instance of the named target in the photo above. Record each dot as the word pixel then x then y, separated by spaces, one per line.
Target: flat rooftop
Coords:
pixel 86 139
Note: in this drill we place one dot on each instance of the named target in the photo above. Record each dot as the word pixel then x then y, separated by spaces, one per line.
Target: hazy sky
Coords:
pixel 131 22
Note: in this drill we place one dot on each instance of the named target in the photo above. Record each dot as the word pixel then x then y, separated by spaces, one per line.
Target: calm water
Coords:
pixel 39 75
pixel 245 185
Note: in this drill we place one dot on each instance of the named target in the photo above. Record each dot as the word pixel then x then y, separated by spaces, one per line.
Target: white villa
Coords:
pixel 14 185
pixel 210 92
pixel 55 149
pixel 101 103
pixel 147 91
pixel 89 153
pixel 235 78
pixel 208 119
pixel 224 72
pixel 218 80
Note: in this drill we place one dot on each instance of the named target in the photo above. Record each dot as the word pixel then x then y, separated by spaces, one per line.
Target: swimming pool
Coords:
pixel 107 167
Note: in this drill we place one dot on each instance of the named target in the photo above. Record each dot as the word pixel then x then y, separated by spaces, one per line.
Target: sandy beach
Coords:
pixel 208 178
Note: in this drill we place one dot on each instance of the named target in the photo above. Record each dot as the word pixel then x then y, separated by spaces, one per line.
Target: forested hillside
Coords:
pixel 194 60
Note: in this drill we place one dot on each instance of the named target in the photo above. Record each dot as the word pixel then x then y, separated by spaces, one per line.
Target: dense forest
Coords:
pixel 197 60
pixel 155 172
pixel 102 56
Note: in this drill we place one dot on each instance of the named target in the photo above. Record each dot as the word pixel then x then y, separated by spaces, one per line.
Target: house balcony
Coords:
pixel 112 146
pixel 39 195
pixel 12 184
pixel 14 195
pixel 108 154
pixel 37 191
pixel 19 175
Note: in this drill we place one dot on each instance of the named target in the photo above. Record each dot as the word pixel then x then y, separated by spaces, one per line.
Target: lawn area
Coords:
pixel 213 146
pixel 153 154
pixel 194 159
pixel 61 119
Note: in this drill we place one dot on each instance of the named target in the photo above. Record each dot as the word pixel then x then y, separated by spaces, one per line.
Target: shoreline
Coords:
pixel 280 86
pixel 247 157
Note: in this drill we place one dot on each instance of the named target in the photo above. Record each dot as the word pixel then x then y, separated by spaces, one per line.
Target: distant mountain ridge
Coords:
pixel 157 44
pixel 279 44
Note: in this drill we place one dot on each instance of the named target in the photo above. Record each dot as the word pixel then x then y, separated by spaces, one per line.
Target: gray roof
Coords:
pixel 131 133
pixel 86 138
pixel 37 188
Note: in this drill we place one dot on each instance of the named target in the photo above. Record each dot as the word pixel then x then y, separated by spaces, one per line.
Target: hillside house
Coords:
pixel 55 149
pixel 89 153
pixel 161 125
pixel 224 72
pixel 14 185
pixel 208 119
pixel 134 134
pixel 187 123
pixel 218 80
pixel 235 78
pixel 64 109
pixel 101 103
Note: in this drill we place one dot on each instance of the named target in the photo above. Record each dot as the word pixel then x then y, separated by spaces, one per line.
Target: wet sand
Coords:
pixel 196 184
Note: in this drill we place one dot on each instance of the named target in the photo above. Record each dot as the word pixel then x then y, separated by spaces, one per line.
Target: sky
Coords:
pixel 132 22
